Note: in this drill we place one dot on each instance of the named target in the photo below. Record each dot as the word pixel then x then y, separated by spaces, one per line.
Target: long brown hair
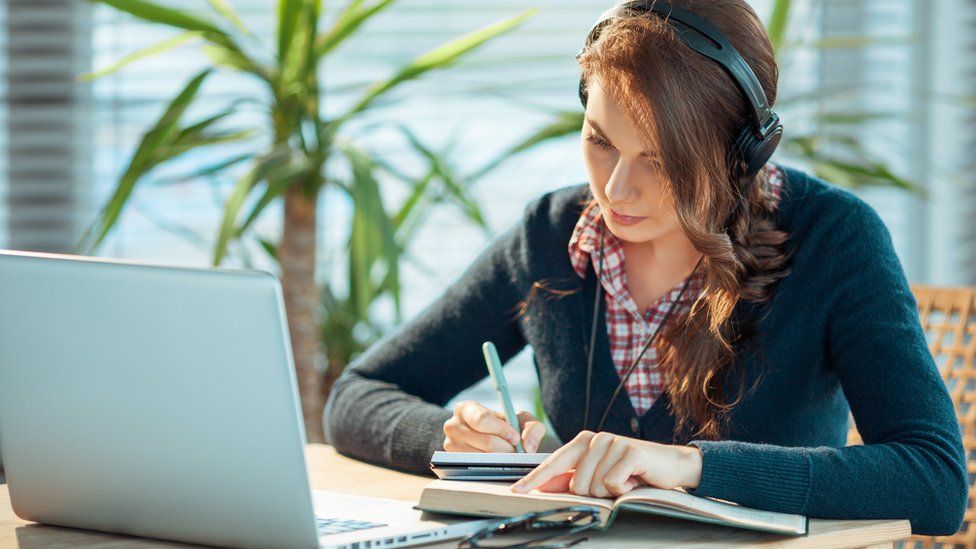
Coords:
pixel 688 108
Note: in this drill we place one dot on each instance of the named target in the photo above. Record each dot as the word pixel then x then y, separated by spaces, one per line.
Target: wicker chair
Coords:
pixel 948 316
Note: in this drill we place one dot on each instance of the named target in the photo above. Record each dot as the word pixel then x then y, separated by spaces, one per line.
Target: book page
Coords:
pixel 729 512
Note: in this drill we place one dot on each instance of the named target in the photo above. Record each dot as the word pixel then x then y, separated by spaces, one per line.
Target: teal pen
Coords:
pixel 498 379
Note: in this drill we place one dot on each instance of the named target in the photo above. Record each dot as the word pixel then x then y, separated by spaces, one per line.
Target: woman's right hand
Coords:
pixel 475 428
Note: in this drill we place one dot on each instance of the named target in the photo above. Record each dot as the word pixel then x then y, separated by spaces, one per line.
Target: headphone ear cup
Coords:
pixel 750 153
pixel 739 154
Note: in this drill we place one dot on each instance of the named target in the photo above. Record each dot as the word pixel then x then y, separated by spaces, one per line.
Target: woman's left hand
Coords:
pixel 608 465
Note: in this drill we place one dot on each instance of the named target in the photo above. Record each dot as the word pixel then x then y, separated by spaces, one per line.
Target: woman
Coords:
pixel 791 311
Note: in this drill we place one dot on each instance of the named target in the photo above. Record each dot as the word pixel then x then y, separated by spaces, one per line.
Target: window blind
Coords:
pixel 46 116
pixel 3 125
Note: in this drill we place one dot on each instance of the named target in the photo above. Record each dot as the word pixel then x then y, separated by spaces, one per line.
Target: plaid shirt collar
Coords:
pixel 583 246
pixel 586 238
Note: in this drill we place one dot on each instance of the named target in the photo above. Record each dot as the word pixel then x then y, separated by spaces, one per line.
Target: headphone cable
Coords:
pixel 636 361
pixel 633 366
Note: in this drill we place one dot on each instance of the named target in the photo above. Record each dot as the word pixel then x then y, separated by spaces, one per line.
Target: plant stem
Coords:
pixel 296 256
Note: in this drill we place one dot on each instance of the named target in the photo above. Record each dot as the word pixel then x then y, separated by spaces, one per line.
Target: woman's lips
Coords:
pixel 625 219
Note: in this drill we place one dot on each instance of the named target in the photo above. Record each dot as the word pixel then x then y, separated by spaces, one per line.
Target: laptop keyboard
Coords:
pixel 328 525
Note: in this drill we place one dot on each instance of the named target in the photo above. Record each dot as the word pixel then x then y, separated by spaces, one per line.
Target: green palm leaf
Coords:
pixel 224 8
pixel 148 51
pixel 372 241
pixel 146 156
pixel 295 48
pixel 155 13
pixel 278 183
pixel 348 21
pixel 210 170
pixel 778 22
pixel 453 184
pixel 288 13
pixel 263 169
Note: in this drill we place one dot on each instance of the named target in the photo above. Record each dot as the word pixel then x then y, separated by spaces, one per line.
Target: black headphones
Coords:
pixel 755 141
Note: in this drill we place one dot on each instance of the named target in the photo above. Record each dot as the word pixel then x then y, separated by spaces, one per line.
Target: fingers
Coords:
pixel 533 431
pixel 480 441
pixel 482 420
pixel 592 464
pixel 525 417
pixel 586 465
pixel 463 431
pixel 452 445
pixel 614 453
pixel 621 477
pixel 484 430
pixel 561 461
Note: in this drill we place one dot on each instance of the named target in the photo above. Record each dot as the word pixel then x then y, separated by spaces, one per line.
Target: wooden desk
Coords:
pixel 330 471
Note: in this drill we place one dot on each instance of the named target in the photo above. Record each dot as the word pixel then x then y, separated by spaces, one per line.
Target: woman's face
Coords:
pixel 625 179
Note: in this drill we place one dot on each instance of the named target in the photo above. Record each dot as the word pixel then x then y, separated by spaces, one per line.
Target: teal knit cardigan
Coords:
pixel 841 335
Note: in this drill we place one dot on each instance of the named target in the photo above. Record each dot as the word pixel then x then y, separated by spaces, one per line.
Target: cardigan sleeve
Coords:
pixel 387 407
pixel 912 464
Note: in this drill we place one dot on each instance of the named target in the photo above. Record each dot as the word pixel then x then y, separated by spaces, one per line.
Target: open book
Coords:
pixel 495 499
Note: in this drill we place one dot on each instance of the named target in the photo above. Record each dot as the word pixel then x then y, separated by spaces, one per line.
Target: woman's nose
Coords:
pixel 621 187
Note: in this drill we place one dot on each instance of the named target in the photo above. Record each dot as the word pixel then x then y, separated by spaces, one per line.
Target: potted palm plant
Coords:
pixel 287 166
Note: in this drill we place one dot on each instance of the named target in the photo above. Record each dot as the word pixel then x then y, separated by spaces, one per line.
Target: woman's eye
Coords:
pixel 592 138
pixel 598 142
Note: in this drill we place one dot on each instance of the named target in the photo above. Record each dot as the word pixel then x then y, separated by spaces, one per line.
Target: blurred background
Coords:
pixel 419 129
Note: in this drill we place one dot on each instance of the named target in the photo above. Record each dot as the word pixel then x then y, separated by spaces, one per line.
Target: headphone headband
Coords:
pixel 755 144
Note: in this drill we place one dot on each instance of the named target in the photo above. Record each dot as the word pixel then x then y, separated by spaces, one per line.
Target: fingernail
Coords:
pixel 518 487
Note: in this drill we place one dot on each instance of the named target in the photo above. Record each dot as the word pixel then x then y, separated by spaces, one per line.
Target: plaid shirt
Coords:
pixel 627 328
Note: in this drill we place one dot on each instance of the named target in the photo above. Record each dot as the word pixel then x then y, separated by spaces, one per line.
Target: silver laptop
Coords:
pixel 162 402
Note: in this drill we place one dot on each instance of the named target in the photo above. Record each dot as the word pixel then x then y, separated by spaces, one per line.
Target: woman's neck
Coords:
pixel 670 253
pixel 656 266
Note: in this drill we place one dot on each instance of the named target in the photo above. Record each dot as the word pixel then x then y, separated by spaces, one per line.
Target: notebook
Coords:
pixel 495 499
pixel 484 466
